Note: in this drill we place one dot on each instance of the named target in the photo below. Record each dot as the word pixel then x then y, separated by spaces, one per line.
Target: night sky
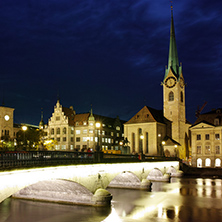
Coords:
pixel 108 53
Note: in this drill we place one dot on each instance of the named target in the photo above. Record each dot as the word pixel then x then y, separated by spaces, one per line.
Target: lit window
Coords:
pixel 207 162
pixel 103 140
pixel 84 139
pixel 111 133
pixel 77 132
pixel 117 134
pixel 207 149
pixel 91 124
pixel 103 132
pixel 217 136
pixel 171 96
pixel 84 131
pixel 117 128
pixel 109 140
pixel 90 131
pixel 84 123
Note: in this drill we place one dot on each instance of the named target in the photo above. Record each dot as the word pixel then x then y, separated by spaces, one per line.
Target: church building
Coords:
pixel 163 132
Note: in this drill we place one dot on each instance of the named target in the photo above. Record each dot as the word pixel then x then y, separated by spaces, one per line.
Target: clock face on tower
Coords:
pixel 170 82
pixel 6 117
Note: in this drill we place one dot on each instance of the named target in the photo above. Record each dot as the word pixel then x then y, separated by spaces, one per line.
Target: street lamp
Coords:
pixel 141 145
pixel 24 128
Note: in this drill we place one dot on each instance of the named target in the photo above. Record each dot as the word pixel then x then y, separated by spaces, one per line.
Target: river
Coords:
pixel 183 199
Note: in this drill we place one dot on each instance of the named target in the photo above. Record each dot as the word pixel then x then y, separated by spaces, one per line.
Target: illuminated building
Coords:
pixel 73 131
pixel 6 122
pixel 164 132
pixel 206 139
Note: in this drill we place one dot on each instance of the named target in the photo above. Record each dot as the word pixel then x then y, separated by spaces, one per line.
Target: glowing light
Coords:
pixel 24 128
pixel 113 217
pixel 98 125
pixel 163 142
pixel 141 137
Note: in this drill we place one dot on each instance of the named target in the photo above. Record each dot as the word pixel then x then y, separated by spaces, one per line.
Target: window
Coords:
pixel 64 130
pixel 207 162
pixel 216 122
pixel 91 124
pixel 217 149
pixel 58 131
pixel 117 128
pixel 103 132
pixel 90 131
pixel 58 139
pixel 207 136
pixel 109 140
pixel 84 131
pixel 207 149
pixel 217 162
pixel 77 139
pixel 171 96
pixel 103 140
pixel 117 134
pixel 84 123
pixel 111 133
pixel 198 137
pixel 199 162
pixel 77 123
pixel 84 139
pixel 52 131
pixel 77 132
pixel 181 97
pixel 57 118
pixel 72 139
pixel 72 131
pixel 217 136
pixel 64 139
pixel 198 149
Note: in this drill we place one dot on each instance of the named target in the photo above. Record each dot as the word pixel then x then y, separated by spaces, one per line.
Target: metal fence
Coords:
pixel 29 159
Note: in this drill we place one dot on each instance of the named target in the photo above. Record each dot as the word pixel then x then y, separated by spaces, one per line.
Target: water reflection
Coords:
pixel 183 199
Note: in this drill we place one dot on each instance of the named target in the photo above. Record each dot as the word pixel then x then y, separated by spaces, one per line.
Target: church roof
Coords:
pixel 173 60
pixel 210 117
pixel 147 114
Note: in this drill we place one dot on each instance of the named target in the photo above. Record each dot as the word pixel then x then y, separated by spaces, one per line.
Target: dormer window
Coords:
pixel 84 123
pixel 216 122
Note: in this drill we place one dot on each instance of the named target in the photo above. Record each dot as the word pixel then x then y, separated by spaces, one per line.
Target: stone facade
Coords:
pixel 206 140
pixel 6 122
pixel 73 131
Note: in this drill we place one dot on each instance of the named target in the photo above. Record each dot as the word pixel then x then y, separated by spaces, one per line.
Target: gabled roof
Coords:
pixel 170 142
pixel 210 117
pixel 146 115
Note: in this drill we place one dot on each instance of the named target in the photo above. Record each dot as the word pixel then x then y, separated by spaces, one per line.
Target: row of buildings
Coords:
pixel 150 131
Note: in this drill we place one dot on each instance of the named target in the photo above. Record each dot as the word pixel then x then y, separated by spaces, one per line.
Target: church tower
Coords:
pixel 174 93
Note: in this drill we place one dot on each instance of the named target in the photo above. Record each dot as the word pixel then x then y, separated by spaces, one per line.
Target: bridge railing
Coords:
pixel 23 159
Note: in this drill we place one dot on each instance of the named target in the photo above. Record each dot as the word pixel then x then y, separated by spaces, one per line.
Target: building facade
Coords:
pixel 6 122
pixel 206 140
pixel 163 132
pixel 72 131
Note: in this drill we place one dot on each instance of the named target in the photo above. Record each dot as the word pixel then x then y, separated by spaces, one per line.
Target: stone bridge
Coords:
pixel 80 184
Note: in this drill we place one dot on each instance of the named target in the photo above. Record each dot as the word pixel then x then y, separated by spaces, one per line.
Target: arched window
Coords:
pixel 64 130
pixel 217 162
pixel 207 162
pixel 58 131
pixel 181 97
pixel 199 162
pixel 171 96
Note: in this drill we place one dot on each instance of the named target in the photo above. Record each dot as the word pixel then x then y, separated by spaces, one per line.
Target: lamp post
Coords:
pixel 98 125
pixel 24 128
pixel 141 146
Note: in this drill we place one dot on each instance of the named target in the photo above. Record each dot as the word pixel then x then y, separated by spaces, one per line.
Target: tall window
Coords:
pixel 181 97
pixel 58 131
pixel 207 162
pixel 217 162
pixel 217 136
pixel 52 131
pixel 207 149
pixel 207 136
pixel 198 137
pixel 147 143
pixel 171 96
pixel 133 142
pixel 217 149
pixel 198 149
pixel 64 130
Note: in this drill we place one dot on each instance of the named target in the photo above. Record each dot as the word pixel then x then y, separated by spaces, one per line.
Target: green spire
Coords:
pixel 173 61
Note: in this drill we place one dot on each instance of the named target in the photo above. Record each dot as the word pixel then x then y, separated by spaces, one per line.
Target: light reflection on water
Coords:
pixel 184 200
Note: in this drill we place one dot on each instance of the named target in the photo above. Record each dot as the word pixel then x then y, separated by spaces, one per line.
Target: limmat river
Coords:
pixel 181 200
